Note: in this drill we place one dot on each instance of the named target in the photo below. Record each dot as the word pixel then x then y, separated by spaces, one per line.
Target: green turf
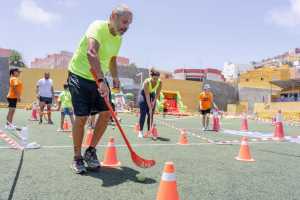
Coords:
pixel 203 171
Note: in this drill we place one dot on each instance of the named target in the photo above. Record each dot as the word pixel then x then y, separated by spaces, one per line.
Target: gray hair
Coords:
pixel 121 10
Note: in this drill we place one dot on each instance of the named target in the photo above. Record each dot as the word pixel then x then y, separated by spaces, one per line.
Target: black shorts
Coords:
pixel 46 100
pixel 205 112
pixel 12 103
pixel 86 99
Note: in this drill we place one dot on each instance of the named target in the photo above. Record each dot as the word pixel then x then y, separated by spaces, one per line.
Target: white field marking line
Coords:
pixel 150 145
pixel 188 132
pixel 257 140
pixel 123 125
pixel 179 118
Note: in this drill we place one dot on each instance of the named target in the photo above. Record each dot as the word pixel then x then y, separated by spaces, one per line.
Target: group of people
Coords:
pixel 44 94
pixel 92 61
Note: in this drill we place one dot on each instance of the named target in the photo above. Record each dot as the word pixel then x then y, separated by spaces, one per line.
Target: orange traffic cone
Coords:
pixel 244 154
pixel 244 123
pixel 110 156
pixel 137 127
pixel 216 122
pixel 278 132
pixel 88 138
pixel 66 125
pixel 154 131
pixel 168 187
pixel 183 138
pixel 34 114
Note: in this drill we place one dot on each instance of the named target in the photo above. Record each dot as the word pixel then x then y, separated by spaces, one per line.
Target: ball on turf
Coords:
pixel 140 178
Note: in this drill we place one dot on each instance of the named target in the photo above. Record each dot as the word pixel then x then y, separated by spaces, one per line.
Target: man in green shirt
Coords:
pixel 97 51
pixel 65 105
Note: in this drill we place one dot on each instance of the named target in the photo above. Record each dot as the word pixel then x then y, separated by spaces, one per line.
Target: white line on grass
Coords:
pixel 150 145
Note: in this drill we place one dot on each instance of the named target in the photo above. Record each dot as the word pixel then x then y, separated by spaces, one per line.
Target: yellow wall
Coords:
pixel 30 77
pixel 189 91
pixel 291 110
pixel 253 78
pixel 237 108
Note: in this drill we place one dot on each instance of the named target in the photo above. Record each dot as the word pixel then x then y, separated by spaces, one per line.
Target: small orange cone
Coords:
pixel 168 186
pixel 34 114
pixel 244 154
pixel 88 138
pixel 278 132
pixel 137 127
pixel 183 138
pixel 66 125
pixel 244 123
pixel 154 131
pixel 110 156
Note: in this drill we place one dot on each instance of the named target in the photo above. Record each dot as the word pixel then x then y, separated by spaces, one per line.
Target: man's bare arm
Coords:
pixel 113 67
pixel 94 60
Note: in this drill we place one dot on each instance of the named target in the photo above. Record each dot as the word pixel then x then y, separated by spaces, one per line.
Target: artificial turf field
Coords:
pixel 203 170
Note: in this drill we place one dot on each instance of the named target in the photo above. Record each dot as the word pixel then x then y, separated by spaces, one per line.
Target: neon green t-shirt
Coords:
pixel 109 47
pixel 152 89
pixel 65 99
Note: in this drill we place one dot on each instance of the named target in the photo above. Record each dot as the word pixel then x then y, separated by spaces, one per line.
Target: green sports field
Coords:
pixel 205 169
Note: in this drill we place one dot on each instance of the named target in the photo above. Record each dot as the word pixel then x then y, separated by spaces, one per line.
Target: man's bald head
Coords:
pixel 122 10
pixel 120 19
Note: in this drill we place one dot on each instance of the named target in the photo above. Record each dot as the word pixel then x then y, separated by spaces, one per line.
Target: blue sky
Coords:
pixel 167 34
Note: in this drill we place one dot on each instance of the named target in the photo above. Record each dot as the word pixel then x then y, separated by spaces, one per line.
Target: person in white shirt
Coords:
pixel 45 94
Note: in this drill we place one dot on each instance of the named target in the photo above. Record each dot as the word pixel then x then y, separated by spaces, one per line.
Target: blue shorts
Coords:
pixel 67 111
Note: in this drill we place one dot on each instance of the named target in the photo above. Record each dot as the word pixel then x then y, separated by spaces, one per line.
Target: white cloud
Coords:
pixel 286 16
pixel 30 11
pixel 68 3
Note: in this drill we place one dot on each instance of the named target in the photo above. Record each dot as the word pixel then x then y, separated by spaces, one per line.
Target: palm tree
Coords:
pixel 16 59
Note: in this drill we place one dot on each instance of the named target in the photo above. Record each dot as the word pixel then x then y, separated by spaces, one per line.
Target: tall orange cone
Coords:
pixel 168 186
pixel 216 121
pixel 244 154
pixel 244 123
pixel 110 156
pixel 66 125
pixel 88 138
pixel 154 131
pixel 278 132
pixel 183 138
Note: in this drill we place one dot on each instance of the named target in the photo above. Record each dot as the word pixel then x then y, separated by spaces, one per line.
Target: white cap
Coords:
pixel 206 87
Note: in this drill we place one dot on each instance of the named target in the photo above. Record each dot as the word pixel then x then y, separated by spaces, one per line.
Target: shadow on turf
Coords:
pixel 163 139
pixel 115 176
pixel 280 153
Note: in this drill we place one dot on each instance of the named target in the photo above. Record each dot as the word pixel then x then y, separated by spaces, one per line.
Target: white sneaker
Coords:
pixel 59 130
pixel 140 135
pixel 10 127
pixel 203 129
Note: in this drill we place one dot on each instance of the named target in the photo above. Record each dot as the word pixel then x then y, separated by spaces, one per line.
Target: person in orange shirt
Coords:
pixel 206 104
pixel 13 96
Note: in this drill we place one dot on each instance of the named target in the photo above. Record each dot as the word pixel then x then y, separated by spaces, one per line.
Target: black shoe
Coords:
pixel 41 121
pixel 50 122
pixel 91 159
pixel 78 166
